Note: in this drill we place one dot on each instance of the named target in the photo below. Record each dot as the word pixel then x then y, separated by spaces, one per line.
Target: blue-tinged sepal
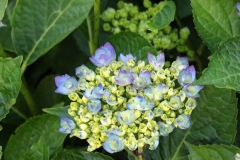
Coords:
pixel 113 144
pixel 182 121
pixel 67 125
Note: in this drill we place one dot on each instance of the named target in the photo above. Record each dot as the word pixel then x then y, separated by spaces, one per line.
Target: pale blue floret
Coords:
pixel 161 88
pixel 127 117
pixel 124 78
pixel 175 102
pixel 187 76
pixel 126 58
pixel 113 144
pixel 156 61
pixel 180 63
pixel 81 71
pixel 109 101
pixel 192 91
pixel 66 84
pixel 94 106
pixel 67 125
pixel 141 81
pixel 103 55
pixel 140 103
pixel 165 129
pixel 153 142
pixel 182 121
pixel 96 93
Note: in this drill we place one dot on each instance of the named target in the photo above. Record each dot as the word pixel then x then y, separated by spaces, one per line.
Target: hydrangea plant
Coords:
pixel 135 97
pixel 128 103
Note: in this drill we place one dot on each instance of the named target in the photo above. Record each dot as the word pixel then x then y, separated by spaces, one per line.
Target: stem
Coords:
pixel 96 23
pixel 90 42
pixel 19 113
pixel 29 99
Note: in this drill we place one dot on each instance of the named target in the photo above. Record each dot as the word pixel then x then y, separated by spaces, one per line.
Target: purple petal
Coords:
pixel 61 79
pixel 126 58
pixel 103 55
pixel 187 76
pixel 192 90
pixel 124 78
pixel 145 75
pixel 238 5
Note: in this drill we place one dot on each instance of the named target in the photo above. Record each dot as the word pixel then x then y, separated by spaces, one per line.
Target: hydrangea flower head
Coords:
pixel 103 55
pixel 126 103
pixel 66 84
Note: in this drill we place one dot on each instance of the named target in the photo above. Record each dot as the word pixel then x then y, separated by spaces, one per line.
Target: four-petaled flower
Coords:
pixel 103 55
pixel 156 61
pixel 66 84
pixel 113 144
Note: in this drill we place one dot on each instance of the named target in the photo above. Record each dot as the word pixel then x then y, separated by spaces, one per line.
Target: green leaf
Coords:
pixel 214 152
pixel 5 32
pixel 10 78
pixel 164 17
pixel 215 21
pixel 39 25
pixel 38 151
pixel 3 6
pixel 183 8
pixel 212 121
pixel 59 111
pixel 0 152
pixel 95 156
pixel 224 68
pixel 69 155
pixel 30 132
pixel 133 43
pixel 80 155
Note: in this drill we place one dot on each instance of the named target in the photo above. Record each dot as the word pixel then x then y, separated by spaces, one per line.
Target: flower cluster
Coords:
pixel 128 18
pixel 128 103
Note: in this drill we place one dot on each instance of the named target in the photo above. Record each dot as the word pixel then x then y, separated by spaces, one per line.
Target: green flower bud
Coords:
pixel 73 96
pixel 120 4
pixel 108 14
pixel 116 30
pixel 132 27
pixel 134 11
pixel 143 16
pixel 184 33
pixel 74 106
pixel 167 29
pixel 106 27
pixel 190 53
pixel 147 3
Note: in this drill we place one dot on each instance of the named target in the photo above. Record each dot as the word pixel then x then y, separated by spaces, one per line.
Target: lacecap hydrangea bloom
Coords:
pixel 128 103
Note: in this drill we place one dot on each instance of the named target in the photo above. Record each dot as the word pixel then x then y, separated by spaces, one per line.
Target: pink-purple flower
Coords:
pixel 126 58
pixel 103 55
pixel 156 61
pixel 187 76
pixel 124 78
pixel 141 81
pixel 66 84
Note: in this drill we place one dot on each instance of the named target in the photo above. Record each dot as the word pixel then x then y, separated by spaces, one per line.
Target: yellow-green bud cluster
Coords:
pixel 128 18
pixel 137 115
